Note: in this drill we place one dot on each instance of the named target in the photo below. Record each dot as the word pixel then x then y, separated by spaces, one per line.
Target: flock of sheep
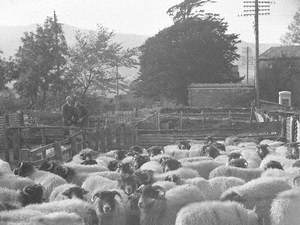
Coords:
pixel 235 182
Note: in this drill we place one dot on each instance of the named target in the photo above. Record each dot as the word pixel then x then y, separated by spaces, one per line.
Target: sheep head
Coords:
pixel 170 164
pixel 139 160
pixel 128 184
pixel 136 149
pixel 263 151
pixel 155 150
pixel 31 194
pixel 241 163
pixel 184 145
pixel 273 165
pixel 150 195
pixel 234 155
pixel 105 201
pixel 24 169
pixel 75 192
pixel 113 165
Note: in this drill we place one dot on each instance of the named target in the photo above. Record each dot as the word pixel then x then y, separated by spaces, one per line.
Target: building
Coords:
pixel 280 71
pixel 220 95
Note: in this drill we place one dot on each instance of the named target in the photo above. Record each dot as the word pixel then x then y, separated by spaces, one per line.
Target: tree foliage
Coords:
pixel 40 61
pixel 293 34
pixel 192 51
pixel 93 62
pixel 187 9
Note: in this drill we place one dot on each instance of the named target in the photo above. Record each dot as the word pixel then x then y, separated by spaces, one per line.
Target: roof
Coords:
pixel 292 51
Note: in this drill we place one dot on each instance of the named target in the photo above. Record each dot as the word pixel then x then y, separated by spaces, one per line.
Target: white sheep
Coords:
pixel 48 180
pixel 160 208
pixel 216 213
pixel 112 175
pixel 67 191
pixel 229 171
pixel 166 185
pixel 203 167
pixel 286 163
pixel 78 168
pixel 289 174
pixel 285 208
pixel 258 193
pixel 182 172
pixel 195 159
pixel 252 157
pixel 110 210
pixel 104 160
pixel 57 218
pixel 83 209
pixel 12 181
pixel 153 166
pixel 98 183
pixel 175 152
pixel 18 217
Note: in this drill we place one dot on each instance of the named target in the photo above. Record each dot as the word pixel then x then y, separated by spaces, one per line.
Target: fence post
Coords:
pixel 73 146
pixel 43 136
pixel 158 120
pixel 180 120
pixel 57 150
pixel 24 155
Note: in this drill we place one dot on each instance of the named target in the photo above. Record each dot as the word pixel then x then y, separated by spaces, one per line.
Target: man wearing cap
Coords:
pixel 69 112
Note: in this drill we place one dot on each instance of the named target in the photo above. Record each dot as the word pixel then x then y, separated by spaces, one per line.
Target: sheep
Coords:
pixel 18 216
pixel 107 174
pixel 85 168
pixel 139 160
pixel 113 165
pixel 166 185
pixel 216 213
pixel 218 185
pixel 170 164
pixel 160 208
pixel 296 163
pixel 173 151
pixel 252 157
pixel 155 150
pixel 292 151
pixel 160 157
pixel 285 208
pixel 137 149
pixel 289 174
pixel 93 183
pixel 14 182
pixel 83 209
pixel 78 158
pixel 286 163
pixel 48 180
pixel 29 194
pixel 184 145
pixel 183 173
pixel 195 159
pixel 258 193
pixel 57 218
pixel 203 167
pixel 229 171
pixel 67 191
pixel 110 211
pixel 5 167
pixel 104 160
pixel 153 166
pixel 241 163
pixel 273 165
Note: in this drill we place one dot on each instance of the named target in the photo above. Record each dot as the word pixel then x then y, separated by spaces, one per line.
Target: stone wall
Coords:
pixel 221 95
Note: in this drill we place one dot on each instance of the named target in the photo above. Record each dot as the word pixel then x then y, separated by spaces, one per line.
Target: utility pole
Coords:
pixel 256 8
pixel 117 86
pixel 257 53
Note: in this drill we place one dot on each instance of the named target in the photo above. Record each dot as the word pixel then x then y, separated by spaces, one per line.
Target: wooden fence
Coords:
pixel 148 138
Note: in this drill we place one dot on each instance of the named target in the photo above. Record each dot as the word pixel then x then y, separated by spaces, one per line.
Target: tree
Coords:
pixel 3 72
pixel 94 60
pixel 293 34
pixel 187 9
pixel 40 61
pixel 192 51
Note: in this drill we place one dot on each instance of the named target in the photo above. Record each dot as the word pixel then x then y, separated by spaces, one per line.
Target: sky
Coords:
pixel 145 17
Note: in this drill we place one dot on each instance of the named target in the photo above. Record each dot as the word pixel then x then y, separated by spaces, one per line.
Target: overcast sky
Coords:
pixel 145 17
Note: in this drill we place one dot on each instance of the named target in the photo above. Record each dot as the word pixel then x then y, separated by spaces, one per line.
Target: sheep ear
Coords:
pixel 67 193
pixel 84 192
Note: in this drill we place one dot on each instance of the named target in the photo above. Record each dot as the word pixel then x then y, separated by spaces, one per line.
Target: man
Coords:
pixel 81 114
pixel 69 112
